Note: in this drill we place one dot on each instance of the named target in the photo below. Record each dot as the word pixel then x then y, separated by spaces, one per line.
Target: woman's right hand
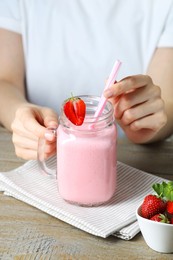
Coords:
pixel 28 126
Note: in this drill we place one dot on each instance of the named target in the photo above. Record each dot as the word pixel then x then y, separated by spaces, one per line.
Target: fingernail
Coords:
pixel 108 93
pixel 50 135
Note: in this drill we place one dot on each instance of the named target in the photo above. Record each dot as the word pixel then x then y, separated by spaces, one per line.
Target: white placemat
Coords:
pixel 117 217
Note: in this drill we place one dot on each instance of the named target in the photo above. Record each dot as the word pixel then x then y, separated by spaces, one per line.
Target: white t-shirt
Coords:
pixel 70 46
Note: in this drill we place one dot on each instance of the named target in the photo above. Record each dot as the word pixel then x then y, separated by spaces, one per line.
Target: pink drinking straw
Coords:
pixel 110 81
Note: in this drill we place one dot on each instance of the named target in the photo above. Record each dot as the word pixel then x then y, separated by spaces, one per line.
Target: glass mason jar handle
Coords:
pixel 41 152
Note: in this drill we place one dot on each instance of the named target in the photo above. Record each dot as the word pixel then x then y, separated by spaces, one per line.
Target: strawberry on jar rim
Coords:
pixel 75 110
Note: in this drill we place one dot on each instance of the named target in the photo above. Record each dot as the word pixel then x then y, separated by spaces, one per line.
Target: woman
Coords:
pixel 49 49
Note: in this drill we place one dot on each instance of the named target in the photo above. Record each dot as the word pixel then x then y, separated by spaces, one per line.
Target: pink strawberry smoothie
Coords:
pixel 86 165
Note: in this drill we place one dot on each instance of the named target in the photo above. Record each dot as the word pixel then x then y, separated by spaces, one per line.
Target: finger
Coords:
pixel 30 119
pixel 24 142
pixel 128 84
pixel 49 147
pixel 50 117
pixel 26 154
pixel 37 121
pixel 137 98
pixel 34 127
pixel 142 110
pixel 50 134
pixel 18 129
pixel 154 122
pixel 28 150
pixel 47 155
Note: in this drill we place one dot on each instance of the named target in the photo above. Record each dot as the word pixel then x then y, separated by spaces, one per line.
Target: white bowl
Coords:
pixel 157 235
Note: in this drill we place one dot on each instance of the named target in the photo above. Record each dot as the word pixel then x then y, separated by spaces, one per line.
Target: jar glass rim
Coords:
pixel 91 102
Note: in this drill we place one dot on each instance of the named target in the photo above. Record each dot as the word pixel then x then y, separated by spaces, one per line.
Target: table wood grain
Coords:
pixel 27 233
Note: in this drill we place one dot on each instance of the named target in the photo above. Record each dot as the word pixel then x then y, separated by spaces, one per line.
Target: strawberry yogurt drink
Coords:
pixel 86 156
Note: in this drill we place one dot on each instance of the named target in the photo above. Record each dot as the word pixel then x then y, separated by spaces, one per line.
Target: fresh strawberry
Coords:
pixel 160 218
pixel 169 207
pixel 75 109
pixel 152 205
pixel 165 190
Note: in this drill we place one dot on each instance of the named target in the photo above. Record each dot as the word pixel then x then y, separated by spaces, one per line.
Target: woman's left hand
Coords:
pixel 139 107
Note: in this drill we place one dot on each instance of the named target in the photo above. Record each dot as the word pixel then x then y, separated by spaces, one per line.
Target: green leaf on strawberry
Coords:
pixel 164 190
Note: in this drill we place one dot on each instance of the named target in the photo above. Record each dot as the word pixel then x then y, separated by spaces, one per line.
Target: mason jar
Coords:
pixel 86 156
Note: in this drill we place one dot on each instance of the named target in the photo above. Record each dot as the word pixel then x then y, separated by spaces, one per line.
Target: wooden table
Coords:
pixel 28 233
